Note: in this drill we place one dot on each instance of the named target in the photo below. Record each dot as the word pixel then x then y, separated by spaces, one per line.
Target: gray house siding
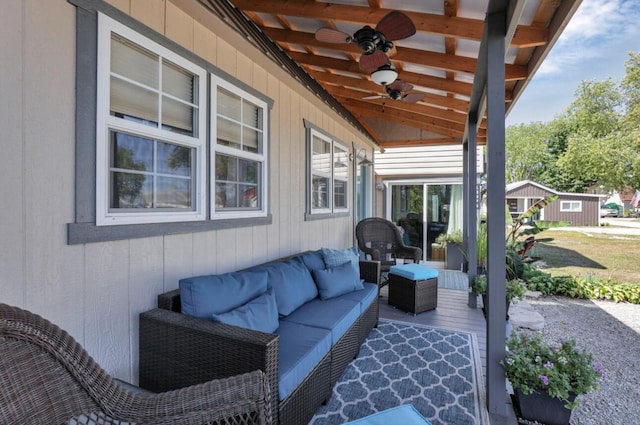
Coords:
pixel 96 291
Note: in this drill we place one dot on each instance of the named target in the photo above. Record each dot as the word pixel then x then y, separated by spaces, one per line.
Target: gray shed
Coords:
pixel 581 209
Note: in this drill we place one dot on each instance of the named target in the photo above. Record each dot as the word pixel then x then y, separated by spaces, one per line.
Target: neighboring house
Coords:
pixel 581 209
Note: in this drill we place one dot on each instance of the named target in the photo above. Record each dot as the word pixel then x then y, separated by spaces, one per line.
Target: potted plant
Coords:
pixel 452 243
pixel 515 289
pixel 547 379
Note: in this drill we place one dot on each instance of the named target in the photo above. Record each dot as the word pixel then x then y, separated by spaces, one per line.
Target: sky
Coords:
pixel 593 47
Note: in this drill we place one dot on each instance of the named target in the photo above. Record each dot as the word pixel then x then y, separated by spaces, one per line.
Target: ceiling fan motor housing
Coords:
pixel 394 94
pixel 368 39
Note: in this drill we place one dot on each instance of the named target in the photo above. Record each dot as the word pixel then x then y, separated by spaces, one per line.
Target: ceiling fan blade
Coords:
pixel 396 26
pixel 413 97
pixel 400 86
pixel 329 35
pixel 373 61
pixel 373 97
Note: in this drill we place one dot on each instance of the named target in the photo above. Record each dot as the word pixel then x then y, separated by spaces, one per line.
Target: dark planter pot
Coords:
pixel 543 408
pixel 484 305
pixel 454 256
pixel 473 300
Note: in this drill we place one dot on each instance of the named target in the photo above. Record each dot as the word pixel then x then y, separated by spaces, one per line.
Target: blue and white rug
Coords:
pixel 438 371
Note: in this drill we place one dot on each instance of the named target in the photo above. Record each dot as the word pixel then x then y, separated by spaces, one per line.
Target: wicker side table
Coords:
pixel 416 291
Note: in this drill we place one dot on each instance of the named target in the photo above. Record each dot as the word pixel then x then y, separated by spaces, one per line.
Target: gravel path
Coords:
pixel 611 332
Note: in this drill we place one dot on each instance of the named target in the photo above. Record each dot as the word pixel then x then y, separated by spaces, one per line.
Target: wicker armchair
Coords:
pixel 47 377
pixel 381 240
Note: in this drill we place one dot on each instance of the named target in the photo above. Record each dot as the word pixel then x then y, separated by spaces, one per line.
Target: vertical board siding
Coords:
pixel 52 283
pixel 12 160
pixel 97 291
pixel 145 280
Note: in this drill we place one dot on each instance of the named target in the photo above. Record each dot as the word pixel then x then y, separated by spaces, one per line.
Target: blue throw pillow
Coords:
pixel 292 284
pixel 313 260
pixel 259 314
pixel 337 257
pixel 202 296
pixel 336 281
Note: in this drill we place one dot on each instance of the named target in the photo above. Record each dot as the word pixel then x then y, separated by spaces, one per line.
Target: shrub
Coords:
pixel 589 287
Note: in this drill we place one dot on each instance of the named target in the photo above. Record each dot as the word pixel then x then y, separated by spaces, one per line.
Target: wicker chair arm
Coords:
pixel 241 399
pixel 411 252
pixel 177 351
pixel 370 271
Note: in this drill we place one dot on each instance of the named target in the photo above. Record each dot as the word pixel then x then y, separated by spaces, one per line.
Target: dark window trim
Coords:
pixel 84 229
pixel 308 216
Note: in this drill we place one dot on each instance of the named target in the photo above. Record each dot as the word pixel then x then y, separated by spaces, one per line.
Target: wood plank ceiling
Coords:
pixel 439 61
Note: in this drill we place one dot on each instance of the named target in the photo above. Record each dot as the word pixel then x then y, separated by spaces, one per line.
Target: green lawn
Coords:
pixel 579 254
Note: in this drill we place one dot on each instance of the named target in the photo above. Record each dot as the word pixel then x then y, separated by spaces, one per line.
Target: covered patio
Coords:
pixel 96 90
pixel 467 64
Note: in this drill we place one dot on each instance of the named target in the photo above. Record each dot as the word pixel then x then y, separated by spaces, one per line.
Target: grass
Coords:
pixel 580 254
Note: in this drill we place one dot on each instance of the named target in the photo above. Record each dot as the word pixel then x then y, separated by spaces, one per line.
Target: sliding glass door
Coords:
pixel 424 211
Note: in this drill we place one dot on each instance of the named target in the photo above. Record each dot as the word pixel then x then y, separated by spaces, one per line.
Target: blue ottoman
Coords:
pixel 413 287
pixel 401 415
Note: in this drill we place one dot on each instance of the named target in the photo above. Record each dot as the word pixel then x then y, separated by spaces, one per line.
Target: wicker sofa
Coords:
pixel 46 377
pixel 178 350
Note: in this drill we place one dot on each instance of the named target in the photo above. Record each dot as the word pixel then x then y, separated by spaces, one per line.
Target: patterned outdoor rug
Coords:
pixel 436 370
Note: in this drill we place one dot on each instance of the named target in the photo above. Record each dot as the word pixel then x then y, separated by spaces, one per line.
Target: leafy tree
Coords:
pixel 559 132
pixel 527 151
pixel 596 109
pixel 630 86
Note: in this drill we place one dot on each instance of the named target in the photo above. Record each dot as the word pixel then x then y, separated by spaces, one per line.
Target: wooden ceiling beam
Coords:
pixel 448 26
pixel 445 128
pixel 355 97
pixel 435 83
pixel 327 79
pixel 435 60
pixel 440 141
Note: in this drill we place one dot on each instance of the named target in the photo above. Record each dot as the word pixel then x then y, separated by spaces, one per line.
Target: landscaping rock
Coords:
pixel 533 294
pixel 522 315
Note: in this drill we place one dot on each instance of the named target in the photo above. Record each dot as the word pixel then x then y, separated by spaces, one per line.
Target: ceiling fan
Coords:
pixel 397 91
pixel 374 42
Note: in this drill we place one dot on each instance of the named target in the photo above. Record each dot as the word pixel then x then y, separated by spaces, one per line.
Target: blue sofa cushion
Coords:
pixel 313 260
pixel 414 271
pixel 292 283
pixel 336 315
pixel 202 296
pixel 259 314
pixel 367 296
pixel 336 281
pixel 301 349
pixel 337 257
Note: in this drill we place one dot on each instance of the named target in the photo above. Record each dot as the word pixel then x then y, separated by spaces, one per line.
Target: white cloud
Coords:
pixel 595 25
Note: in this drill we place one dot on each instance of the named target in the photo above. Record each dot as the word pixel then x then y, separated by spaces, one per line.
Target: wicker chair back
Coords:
pixel 381 240
pixel 47 377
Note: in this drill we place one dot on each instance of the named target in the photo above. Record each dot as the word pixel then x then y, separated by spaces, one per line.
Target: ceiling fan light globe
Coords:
pixel 384 76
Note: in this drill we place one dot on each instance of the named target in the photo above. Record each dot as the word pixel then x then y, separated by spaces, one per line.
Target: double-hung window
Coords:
pixel 150 131
pixel 328 174
pixel 239 152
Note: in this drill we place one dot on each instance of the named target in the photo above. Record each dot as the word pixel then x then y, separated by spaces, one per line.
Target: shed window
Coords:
pixel 571 206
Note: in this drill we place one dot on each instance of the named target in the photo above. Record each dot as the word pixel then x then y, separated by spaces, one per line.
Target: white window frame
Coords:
pixel 569 208
pixel 331 175
pixel 262 157
pixel 106 123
